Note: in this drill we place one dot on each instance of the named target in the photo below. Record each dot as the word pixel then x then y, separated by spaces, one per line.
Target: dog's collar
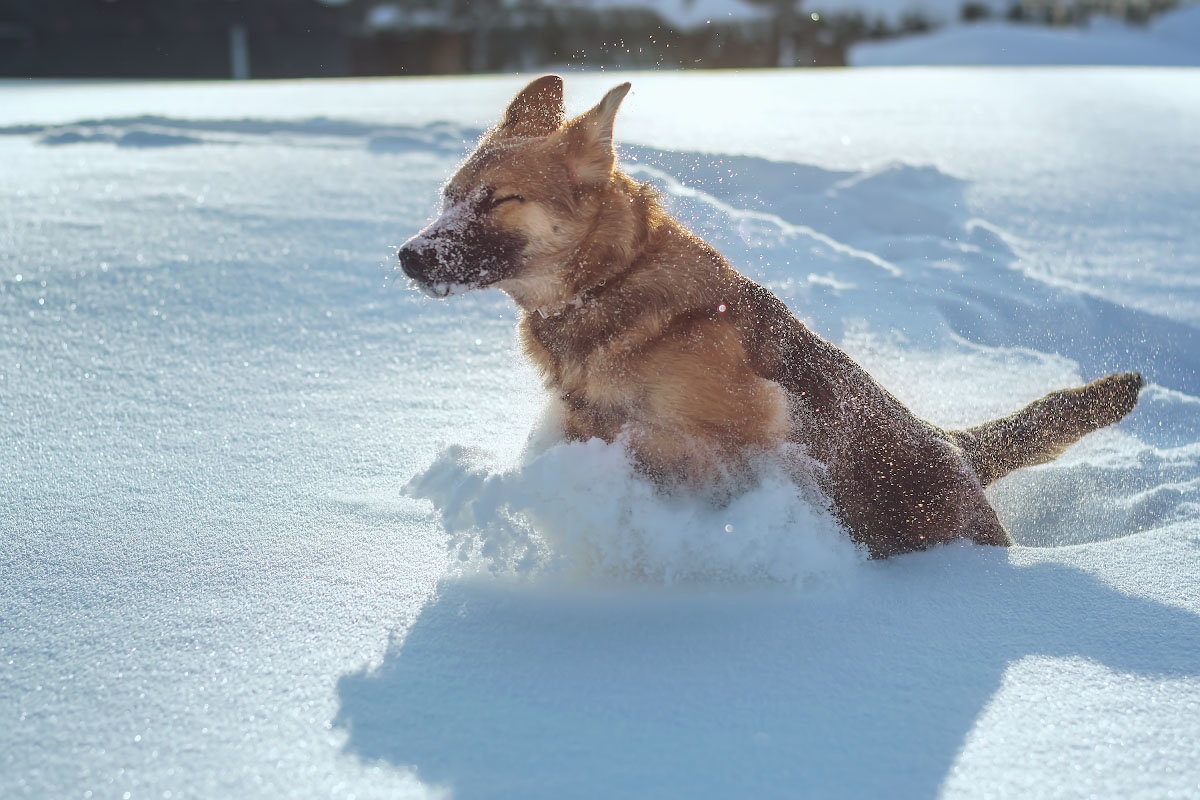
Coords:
pixel 562 306
pixel 554 309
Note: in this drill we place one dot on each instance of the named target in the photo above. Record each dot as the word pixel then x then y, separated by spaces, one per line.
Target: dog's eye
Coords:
pixel 498 201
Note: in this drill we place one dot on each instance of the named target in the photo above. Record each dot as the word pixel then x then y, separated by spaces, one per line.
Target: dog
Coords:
pixel 643 332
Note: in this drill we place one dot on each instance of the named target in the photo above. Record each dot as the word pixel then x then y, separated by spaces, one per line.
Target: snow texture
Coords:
pixel 274 525
pixel 580 512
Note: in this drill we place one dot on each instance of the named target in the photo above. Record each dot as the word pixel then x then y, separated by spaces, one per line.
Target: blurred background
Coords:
pixel 335 38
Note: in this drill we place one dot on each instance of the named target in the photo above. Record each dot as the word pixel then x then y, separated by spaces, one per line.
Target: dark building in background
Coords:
pixel 174 38
pixel 334 38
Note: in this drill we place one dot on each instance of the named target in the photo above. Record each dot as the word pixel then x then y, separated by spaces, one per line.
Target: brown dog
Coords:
pixel 644 330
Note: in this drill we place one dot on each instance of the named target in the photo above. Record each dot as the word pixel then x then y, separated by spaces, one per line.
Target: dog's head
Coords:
pixel 523 203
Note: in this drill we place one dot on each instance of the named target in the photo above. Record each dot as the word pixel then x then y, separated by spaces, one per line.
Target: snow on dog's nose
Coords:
pixel 411 262
pixel 437 260
pixel 422 268
pixel 460 250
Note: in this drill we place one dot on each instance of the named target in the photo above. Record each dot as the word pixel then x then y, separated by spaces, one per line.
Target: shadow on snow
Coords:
pixel 865 690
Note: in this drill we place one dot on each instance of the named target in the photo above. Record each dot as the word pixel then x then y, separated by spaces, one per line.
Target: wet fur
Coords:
pixel 643 331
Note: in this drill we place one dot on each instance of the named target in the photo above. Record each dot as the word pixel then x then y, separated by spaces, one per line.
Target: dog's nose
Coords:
pixel 410 262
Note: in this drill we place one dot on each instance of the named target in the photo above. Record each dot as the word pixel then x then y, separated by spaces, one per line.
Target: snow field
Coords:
pixel 244 465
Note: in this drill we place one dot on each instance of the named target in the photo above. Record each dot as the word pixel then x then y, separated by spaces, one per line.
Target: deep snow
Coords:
pixel 244 467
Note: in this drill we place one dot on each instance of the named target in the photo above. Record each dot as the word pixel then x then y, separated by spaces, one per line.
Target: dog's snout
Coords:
pixel 411 262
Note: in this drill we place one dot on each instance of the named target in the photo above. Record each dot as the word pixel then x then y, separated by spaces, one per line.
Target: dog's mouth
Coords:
pixel 443 286
pixel 441 289
pixel 444 271
pixel 428 277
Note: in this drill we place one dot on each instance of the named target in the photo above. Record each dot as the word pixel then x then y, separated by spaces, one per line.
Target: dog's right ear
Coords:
pixel 537 110
pixel 588 139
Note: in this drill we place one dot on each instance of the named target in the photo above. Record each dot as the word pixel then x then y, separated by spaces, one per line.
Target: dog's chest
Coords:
pixel 599 400
pixel 600 393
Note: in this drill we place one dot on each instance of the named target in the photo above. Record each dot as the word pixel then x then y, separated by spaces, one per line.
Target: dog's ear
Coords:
pixel 589 139
pixel 537 110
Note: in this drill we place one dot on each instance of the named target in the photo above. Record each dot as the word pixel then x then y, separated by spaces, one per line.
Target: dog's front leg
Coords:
pixel 670 457
pixel 702 410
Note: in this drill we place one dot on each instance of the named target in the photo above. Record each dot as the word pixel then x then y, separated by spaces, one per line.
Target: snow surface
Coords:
pixel 276 526
pixel 1171 40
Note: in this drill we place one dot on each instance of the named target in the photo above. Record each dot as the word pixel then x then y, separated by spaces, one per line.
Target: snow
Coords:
pixel 527 520
pixel 1171 40
pixel 275 525
pixel 1182 25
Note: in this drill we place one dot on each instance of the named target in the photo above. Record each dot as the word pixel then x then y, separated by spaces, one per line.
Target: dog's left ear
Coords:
pixel 589 142
pixel 537 110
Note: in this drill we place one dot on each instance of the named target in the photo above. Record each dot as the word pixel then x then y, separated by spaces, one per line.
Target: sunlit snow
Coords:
pixel 276 525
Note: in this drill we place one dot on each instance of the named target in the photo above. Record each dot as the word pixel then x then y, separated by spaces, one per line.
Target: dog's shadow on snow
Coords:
pixel 866 689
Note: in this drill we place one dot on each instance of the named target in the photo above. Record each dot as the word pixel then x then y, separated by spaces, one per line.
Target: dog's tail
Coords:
pixel 1044 428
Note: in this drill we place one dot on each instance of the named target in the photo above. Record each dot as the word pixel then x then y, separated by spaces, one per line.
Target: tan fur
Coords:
pixel 644 331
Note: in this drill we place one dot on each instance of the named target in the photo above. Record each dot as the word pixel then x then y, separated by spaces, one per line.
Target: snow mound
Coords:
pixel 581 511
pixel 1172 41
pixel 1181 26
